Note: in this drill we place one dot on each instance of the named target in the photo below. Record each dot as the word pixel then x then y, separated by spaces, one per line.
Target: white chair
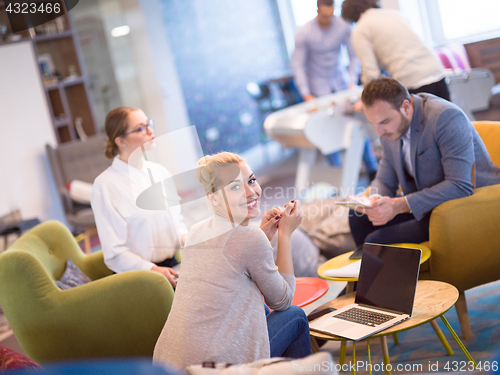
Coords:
pixel 470 88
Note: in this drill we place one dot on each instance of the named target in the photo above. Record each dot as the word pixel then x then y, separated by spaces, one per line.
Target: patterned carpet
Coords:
pixel 420 350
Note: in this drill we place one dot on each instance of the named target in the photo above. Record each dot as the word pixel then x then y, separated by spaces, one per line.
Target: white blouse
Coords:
pixel 134 238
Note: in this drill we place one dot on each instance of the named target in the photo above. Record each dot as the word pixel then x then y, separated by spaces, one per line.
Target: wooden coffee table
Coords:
pixel 432 300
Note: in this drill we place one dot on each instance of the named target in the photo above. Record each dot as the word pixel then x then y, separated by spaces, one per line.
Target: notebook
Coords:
pixel 384 296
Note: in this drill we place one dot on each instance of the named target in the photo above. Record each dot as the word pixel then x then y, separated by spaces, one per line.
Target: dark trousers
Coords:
pixel 439 88
pixel 403 228
pixel 169 262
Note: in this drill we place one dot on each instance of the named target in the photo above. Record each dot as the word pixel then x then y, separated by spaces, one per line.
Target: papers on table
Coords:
pixel 356 201
pixel 351 270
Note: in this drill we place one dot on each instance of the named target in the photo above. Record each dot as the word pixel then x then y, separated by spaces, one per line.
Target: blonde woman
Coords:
pixel 217 314
pixel 133 238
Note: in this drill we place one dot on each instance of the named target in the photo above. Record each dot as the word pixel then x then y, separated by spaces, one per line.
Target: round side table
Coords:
pixel 432 300
pixel 343 260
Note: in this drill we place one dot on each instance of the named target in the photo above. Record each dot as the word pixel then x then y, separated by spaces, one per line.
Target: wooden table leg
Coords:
pixel 385 354
pixel 86 244
pixel 343 345
pixel 353 372
pixel 314 345
pixel 395 338
pixel 350 287
pixel 459 342
pixel 441 337
pixel 89 232
pixel 369 356
pixel 463 316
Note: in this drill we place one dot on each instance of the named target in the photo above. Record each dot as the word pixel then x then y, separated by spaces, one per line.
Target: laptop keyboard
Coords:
pixel 369 318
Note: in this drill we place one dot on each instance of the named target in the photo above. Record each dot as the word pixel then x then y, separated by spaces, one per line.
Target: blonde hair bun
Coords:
pixel 209 169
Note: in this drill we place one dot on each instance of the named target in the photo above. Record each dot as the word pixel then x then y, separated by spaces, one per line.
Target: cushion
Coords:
pixel 79 191
pixel 328 226
pixel 72 277
pixel 10 360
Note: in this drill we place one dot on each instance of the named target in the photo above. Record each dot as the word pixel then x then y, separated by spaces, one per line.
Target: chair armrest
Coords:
pixel 117 316
pixel 94 267
pixel 66 199
pixel 465 240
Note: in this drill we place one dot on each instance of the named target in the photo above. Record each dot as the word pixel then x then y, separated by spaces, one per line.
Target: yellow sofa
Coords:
pixel 115 315
pixel 464 235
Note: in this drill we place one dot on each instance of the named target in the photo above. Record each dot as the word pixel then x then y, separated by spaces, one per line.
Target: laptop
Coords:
pixel 384 296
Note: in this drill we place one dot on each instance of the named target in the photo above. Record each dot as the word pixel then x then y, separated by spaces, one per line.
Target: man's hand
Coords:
pixel 308 97
pixel 384 209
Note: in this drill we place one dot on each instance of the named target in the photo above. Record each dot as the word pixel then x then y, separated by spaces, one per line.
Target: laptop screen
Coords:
pixel 388 277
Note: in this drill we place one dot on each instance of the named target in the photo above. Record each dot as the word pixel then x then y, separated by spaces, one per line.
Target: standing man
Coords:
pixel 317 69
pixel 383 41
pixel 316 58
pixel 431 150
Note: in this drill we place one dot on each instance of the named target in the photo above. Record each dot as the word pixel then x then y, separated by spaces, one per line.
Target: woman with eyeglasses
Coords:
pixel 133 238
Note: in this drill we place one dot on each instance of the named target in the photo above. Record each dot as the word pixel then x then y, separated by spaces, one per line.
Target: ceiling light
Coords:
pixel 120 31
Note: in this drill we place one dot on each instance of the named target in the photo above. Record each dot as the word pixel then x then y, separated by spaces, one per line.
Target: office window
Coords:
pixel 303 11
pixel 463 19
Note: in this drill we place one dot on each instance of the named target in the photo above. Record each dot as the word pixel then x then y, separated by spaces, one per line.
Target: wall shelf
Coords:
pixel 69 98
pixel 65 83
pixel 60 123
pixel 64 34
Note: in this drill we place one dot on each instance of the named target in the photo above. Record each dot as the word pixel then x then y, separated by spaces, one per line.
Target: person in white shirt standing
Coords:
pixel 133 238
pixel 383 41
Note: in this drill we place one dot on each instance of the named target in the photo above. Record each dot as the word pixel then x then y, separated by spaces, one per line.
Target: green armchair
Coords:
pixel 115 315
pixel 464 236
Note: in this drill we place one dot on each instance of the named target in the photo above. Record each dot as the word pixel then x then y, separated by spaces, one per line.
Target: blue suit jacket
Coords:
pixel 443 148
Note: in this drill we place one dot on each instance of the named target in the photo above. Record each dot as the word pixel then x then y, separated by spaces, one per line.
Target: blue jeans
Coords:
pixel 288 332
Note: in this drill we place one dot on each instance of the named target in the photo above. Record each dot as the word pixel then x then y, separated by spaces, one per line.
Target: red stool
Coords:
pixel 308 290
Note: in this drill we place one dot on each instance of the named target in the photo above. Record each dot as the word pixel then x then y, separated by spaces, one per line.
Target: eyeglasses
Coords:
pixel 143 128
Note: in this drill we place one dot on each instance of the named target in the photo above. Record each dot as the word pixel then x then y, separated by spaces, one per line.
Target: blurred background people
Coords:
pixel 316 66
pixel 383 41
pixel 318 70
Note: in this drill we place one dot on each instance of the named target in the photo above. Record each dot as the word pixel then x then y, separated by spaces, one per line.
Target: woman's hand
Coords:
pixel 168 272
pixel 291 218
pixel 269 223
